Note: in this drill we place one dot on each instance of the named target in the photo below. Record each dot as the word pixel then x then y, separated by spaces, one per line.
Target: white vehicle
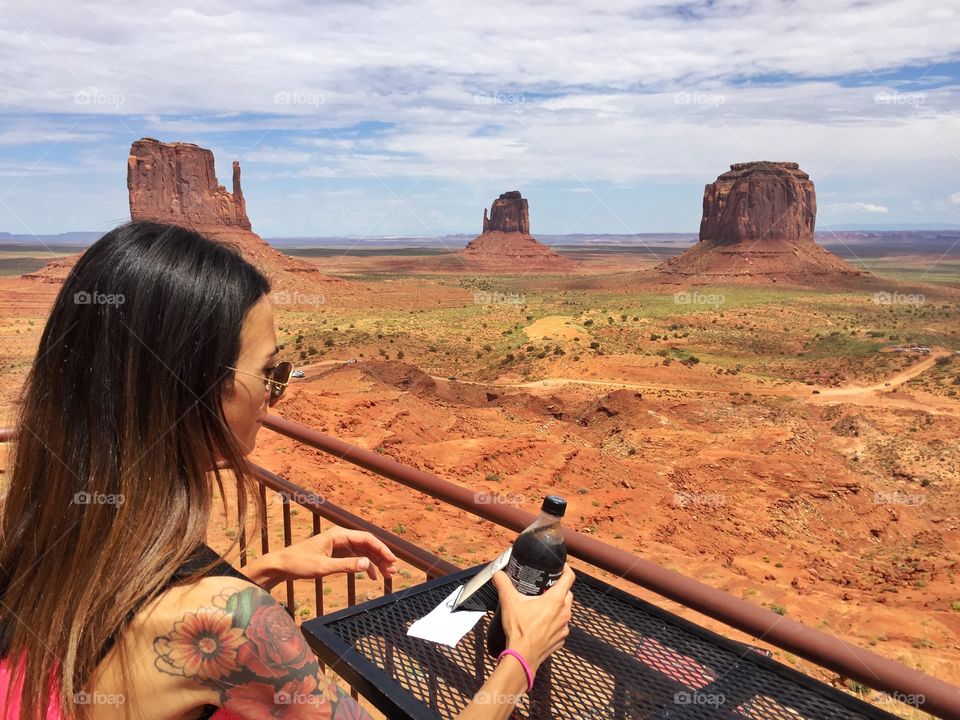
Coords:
pixel 297 374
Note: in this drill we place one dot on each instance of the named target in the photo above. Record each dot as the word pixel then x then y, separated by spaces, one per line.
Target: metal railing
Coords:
pixel 848 660
pixel 868 668
pixel 432 565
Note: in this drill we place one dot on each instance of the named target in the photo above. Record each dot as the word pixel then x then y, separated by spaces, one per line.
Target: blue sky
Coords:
pixel 409 118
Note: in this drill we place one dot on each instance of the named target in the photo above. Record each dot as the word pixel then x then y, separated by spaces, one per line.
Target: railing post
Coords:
pixel 287 542
pixel 241 522
pixel 264 527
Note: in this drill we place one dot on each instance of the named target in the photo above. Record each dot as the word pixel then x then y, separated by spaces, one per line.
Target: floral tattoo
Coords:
pixel 249 649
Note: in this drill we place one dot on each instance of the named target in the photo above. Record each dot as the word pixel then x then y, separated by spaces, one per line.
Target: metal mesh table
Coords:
pixel 624 658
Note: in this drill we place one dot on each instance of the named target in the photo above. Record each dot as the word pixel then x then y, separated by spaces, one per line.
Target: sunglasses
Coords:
pixel 276 379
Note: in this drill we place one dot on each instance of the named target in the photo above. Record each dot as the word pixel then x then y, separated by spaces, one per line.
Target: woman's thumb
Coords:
pixel 501 582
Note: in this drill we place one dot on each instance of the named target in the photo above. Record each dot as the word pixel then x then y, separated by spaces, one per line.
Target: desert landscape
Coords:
pixel 750 410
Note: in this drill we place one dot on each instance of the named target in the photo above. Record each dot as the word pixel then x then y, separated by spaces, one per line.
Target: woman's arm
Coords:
pixel 536 627
pixel 242 645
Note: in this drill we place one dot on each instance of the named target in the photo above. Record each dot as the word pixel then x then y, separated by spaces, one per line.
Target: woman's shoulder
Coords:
pixel 237 647
pixel 223 641
pixel 178 645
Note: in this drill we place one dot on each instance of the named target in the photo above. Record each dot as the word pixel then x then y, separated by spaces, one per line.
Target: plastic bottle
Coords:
pixel 536 563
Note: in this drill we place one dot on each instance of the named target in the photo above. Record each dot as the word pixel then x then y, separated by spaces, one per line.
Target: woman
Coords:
pixel 153 372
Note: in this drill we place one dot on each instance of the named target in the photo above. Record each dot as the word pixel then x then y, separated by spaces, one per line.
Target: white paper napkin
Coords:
pixel 442 625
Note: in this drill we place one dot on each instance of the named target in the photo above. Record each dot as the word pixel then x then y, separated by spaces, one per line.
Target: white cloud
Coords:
pixel 575 93
pixel 385 56
pixel 955 198
pixel 857 207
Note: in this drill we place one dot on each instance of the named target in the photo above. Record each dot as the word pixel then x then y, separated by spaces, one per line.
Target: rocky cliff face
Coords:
pixel 176 183
pixel 505 245
pixel 509 213
pixel 757 227
pixel 759 202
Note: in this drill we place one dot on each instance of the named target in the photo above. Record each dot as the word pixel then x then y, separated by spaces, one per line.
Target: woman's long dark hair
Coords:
pixel 119 430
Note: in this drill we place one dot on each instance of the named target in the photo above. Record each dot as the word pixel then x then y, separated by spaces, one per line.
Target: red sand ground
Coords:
pixel 757 486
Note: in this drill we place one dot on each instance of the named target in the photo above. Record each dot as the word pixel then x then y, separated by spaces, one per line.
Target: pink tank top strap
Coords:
pixel 13 711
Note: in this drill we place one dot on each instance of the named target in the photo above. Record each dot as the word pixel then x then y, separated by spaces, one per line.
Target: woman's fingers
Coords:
pixel 564 582
pixel 360 543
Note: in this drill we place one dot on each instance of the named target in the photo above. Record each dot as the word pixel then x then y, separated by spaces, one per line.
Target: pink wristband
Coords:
pixel 526 668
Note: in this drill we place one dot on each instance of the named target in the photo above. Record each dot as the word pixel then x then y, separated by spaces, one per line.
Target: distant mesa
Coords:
pixel 509 213
pixel 506 244
pixel 757 227
pixel 176 183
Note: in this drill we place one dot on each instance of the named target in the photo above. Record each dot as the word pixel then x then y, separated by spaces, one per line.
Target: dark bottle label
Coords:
pixel 530 580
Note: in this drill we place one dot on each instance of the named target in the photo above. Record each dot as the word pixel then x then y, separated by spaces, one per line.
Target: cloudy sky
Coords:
pixel 407 118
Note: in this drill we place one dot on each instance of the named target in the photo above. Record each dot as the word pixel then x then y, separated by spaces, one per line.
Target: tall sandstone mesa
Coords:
pixel 176 183
pixel 757 227
pixel 505 245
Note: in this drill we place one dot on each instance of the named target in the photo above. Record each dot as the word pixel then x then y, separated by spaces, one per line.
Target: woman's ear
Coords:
pixel 228 385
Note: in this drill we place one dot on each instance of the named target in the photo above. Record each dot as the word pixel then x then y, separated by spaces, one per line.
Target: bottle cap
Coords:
pixel 554 504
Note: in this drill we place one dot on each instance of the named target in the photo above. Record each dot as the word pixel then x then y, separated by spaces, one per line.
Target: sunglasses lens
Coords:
pixel 279 378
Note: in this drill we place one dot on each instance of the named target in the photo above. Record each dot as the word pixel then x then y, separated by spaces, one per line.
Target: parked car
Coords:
pixel 297 374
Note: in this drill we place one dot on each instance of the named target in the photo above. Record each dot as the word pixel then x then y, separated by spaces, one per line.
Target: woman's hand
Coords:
pixel 336 550
pixel 536 626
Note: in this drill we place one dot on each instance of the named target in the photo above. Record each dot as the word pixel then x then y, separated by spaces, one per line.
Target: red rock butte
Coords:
pixel 505 245
pixel 176 183
pixel 757 227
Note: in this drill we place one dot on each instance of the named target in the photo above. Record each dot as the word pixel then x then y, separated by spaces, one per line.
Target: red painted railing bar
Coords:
pixel 318 583
pixel 243 537
pixel 264 530
pixel 287 542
